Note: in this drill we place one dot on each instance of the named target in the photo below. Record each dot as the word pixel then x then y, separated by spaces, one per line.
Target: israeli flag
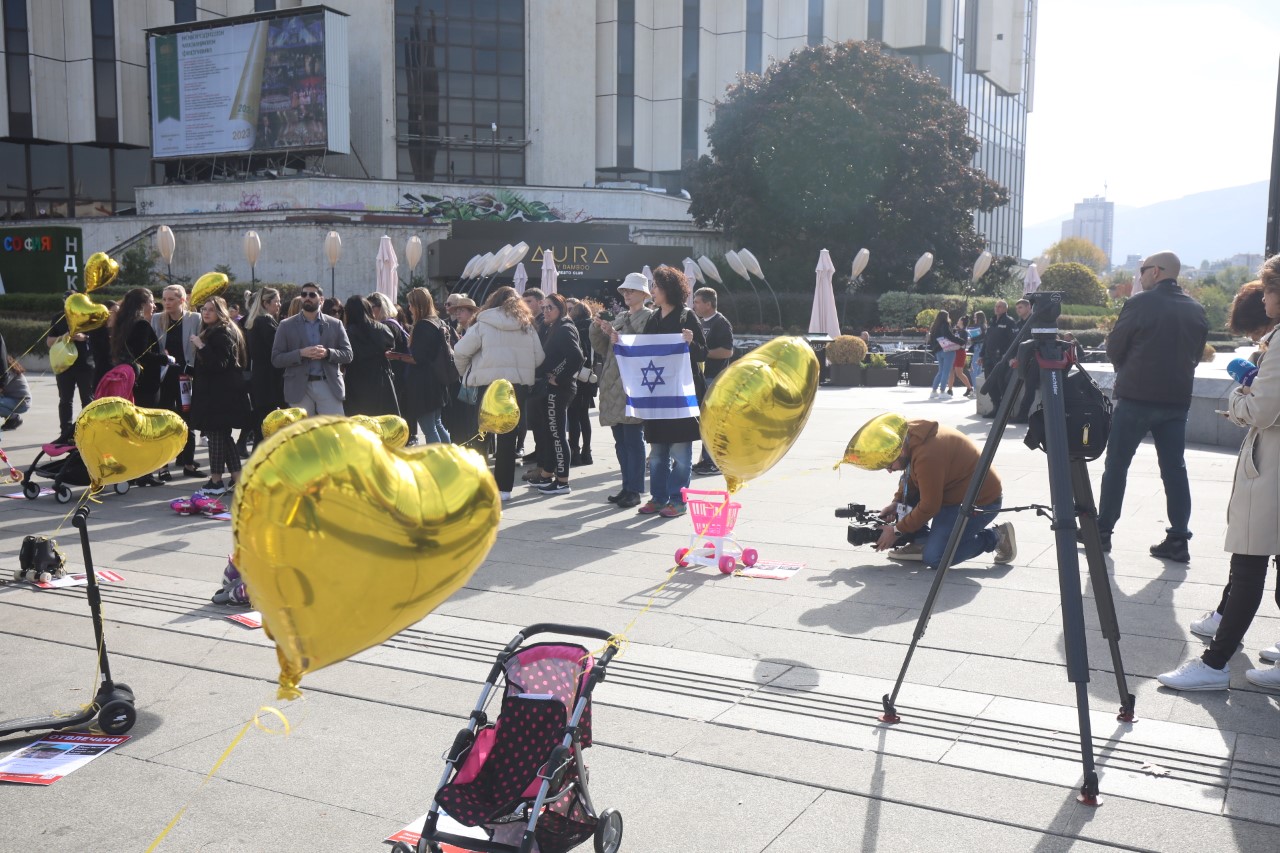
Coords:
pixel 657 376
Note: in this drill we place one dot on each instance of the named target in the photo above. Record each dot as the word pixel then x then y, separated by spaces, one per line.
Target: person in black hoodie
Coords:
pixel 671 441
pixel 558 370
pixel 583 316
pixel 219 396
pixel 370 387
pixel 134 342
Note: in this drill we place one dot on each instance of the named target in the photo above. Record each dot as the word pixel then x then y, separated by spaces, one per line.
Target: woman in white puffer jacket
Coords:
pixel 502 343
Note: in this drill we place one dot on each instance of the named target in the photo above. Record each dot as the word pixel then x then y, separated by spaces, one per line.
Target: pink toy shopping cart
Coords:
pixel 712 544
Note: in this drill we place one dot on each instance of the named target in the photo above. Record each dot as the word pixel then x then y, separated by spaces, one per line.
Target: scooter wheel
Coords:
pixel 63 494
pixel 727 565
pixel 681 553
pixel 609 832
pixel 117 717
pixel 750 556
pixel 30 490
pixel 121 687
pixel 122 488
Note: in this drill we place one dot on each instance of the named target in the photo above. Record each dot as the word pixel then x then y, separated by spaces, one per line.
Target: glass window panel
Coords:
pixel 486 87
pixel 484 165
pixel 485 9
pixel 511 119
pixel 19 84
pixel 486 113
pixel 487 61
pixel 92 172
pixel 460 85
pixel 461 112
pixel 511 165
pixel 510 62
pixel 459 58
pixel 104 88
pixel 511 88
pixel 511 10
pixel 461 163
pixel 460 8
pixel 510 37
pixel 485 34
pixel 184 11
pixel 15 14
pixel 49 170
pixel 102 17
pixel 264 5
pixel 457 32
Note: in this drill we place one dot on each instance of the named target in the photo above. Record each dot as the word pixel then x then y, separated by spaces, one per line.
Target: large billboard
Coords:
pixel 274 82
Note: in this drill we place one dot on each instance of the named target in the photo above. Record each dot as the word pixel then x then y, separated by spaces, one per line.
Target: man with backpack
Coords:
pixel 310 347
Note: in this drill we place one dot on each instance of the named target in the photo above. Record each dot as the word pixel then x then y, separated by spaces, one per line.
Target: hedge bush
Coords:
pixel 31 305
pixel 24 335
pixel 924 320
pixel 1090 338
pixel 1073 322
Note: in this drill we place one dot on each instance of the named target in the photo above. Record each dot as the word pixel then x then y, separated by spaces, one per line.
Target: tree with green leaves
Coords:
pixel 1078 250
pixel 839 147
pixel 1077 282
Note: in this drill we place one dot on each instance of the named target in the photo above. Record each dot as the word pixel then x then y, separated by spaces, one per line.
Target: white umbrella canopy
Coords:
pixel 824 320
pixel 386 265
pixel 648 275
pixel 1031 281
pixel 693 274
pixel 549 274
pixel 521 279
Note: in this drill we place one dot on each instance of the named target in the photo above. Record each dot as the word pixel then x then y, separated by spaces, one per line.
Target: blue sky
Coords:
pixel 1155 99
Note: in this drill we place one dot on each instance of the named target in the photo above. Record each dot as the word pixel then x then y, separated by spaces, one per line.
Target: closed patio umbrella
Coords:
pixel 386 264
pixel 824 320
pixel 520 279
pixel 549 274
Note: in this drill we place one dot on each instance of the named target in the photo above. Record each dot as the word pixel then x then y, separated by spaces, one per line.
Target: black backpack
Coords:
pixel 446 372
pixel 1088 418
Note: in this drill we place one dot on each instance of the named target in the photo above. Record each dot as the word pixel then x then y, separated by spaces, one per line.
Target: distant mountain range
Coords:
pixel 1206 226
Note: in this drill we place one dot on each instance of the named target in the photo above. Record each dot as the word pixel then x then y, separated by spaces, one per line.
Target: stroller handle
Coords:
pixel 574 630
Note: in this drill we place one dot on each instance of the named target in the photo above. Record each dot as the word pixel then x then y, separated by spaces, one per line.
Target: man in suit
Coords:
pixel 309 347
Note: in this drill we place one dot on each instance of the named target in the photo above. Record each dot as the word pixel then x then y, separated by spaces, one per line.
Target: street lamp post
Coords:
pixel 494 127
pixel 332 251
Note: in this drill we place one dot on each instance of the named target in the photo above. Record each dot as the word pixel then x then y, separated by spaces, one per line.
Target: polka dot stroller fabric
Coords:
pixel 500 777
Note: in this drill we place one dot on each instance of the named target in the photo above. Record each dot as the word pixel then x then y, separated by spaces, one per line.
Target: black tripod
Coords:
pixel 1071 498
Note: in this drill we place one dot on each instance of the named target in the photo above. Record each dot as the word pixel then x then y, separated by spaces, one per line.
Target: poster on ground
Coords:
pixel 49 759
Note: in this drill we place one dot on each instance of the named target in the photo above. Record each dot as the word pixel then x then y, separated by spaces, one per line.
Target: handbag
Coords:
pixel 469 394
pixel 948 345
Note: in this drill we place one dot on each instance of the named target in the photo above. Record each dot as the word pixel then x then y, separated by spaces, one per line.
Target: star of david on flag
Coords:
pixel 657 376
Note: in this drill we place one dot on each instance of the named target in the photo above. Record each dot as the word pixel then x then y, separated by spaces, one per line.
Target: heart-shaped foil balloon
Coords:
pixel 207 286
pixel 499 411
pixel 99 271
pixel 83 314
pixel 344 541
pixel 120 441
pixel 757 408
pixel 279 419
pixel 392 429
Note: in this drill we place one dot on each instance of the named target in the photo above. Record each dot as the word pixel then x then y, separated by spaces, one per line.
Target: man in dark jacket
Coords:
pixel 1155 346
pixel 1001 332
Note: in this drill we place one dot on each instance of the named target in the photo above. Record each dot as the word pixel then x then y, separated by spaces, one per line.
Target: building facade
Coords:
pixel 519 94
pixel 1093 219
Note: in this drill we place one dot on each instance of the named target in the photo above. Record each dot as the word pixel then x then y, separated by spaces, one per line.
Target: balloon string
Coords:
pixel 167 330
pixel 97 671
pixel 86 495
pixel 27 352
pixel 254 722
pixel 620 640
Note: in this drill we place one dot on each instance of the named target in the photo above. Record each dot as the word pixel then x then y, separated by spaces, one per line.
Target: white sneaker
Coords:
pixel 1269 677
pixel 933 395
pixel 1206 625
pixel 1195 674
pixel 1006 544
pixel 1271 655
pixel 505 496
pixel 910 551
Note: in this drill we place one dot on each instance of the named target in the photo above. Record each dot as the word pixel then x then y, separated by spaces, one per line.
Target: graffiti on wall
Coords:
pixel 500 206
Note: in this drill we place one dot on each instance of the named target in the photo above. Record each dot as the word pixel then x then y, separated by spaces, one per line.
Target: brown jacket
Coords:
pixel 942 464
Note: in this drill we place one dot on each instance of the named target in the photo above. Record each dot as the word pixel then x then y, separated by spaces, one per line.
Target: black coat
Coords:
pixel 144 354
pixel 219 394
pixel 370 390
pixel 266 381
pixel 563 358
pixel 678 430
pixel 1001 332
pixel 423 392
pixel 1155 345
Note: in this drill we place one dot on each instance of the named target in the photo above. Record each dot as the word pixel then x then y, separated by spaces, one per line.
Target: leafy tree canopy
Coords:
pixel 1078 250
pixel 845 146
pixel 1076 281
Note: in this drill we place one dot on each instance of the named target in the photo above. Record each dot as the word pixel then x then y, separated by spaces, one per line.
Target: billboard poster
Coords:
pixel 253 86
pixel 41 259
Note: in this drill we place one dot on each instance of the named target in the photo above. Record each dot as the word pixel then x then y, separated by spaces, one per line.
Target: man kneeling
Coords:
pixel 936 464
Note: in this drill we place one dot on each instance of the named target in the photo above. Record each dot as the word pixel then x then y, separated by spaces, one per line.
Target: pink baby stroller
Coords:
pixel 521 778
pixel 713 518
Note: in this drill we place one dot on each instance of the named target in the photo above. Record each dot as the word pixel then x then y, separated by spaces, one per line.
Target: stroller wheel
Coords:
pixel 609 832
pixel 30 490
pixel 727 564
pixel 122 488
pixel 63 494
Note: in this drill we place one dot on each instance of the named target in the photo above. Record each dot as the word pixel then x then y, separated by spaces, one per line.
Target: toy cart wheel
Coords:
pixel 63 495
pixel 681 553
pixel 750 556
pixel 727 564
pixel 609 832
pixel 44 577
pixel 122 488
pixel 30 490
pixel 117 717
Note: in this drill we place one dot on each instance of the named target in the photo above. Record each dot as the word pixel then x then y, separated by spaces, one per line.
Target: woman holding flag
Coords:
pixel 671 439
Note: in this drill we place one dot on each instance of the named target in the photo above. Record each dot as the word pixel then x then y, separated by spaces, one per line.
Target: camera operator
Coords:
pixel 937 463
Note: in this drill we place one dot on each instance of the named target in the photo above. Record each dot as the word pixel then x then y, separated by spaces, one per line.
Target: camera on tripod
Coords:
pixel 865 524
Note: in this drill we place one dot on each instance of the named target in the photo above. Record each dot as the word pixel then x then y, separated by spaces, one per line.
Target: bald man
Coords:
pixel 1155 346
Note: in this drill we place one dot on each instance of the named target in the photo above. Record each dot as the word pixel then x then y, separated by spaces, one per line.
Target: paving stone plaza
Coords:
pixel 742 715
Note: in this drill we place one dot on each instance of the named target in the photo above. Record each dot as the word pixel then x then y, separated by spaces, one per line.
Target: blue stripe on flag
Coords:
pixel 650 349
pixel 673 402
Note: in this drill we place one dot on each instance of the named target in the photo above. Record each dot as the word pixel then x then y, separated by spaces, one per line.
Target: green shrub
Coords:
pixel 924 320
pixel 1091 339
pixel 1073 322
pixel 24 335
pixel 877 359
pixel 1077 283
pixel 898 309
pixel 1088 310
pixel 846 349
pixel 35 305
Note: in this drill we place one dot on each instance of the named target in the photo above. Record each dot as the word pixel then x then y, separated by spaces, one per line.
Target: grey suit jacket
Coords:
pixel 190 326
pixel 286 353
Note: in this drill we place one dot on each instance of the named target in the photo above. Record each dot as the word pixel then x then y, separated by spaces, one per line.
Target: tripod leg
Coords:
pixel 1052 374
pixel 1087 514
pixel 889 700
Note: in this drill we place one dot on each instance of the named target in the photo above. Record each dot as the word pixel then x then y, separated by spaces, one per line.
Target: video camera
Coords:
pixel 865 524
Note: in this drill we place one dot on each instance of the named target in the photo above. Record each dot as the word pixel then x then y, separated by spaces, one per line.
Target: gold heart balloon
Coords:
pixel 120 441
pixel 877 444
pixel 344 541
pixel 757 408
pixel 62 354
pixel 279 419
pixel 499 411
pixel 83 314
pixel 99 271
pixel 207 286
pixel 392 429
